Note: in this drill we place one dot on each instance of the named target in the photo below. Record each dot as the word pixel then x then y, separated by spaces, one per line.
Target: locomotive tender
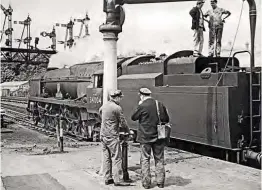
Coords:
pixel 207 98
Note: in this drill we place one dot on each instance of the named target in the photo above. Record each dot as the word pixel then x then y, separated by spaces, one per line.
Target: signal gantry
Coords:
pixel 9 30
pixel 51 35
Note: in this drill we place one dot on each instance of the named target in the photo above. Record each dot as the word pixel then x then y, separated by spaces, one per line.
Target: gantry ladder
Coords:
pixel 255 105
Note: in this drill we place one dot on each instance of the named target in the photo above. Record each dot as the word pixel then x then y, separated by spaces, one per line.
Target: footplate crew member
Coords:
pixel 112 120
pixel 198 27
pixel 147 136
pixel 216 25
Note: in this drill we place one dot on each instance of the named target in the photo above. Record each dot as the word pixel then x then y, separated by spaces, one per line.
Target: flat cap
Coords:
pixel 116 93
pixel 145 91
pixel 200 1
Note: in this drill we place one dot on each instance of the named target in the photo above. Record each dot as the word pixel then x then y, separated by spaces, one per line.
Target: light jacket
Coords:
pixel 113 119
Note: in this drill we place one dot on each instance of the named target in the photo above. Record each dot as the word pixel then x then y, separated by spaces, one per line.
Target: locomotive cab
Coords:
pixel 98 79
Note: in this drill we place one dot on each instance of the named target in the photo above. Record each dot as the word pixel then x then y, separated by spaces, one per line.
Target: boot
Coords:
pixel 108 182
pixel 146 186
pixel 160 185
pixel 122 184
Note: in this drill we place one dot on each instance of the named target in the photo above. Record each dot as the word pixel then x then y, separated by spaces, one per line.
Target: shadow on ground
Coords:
pixel 177 181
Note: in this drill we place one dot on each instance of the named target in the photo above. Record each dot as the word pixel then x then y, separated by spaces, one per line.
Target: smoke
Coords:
pixel 85 49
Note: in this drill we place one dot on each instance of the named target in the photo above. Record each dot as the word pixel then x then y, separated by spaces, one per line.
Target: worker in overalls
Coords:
pixel 112 120
pixel 216 25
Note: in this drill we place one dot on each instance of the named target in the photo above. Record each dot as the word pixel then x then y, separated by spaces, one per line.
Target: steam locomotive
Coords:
pixel 207 97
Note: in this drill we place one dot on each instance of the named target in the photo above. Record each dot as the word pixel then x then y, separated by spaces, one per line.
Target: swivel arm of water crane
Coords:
pixel 110 4
pixel 150 1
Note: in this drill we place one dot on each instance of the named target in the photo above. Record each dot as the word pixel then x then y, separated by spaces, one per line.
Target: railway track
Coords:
pixel 16 114
pixel 15 99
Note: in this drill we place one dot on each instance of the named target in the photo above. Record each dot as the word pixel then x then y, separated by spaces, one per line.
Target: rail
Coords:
pixel 20 119
pixel 14 99
pixel 16 114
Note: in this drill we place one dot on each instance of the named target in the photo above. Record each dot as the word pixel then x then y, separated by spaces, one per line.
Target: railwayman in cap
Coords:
pixel 147 136
pixel 113 121
pixel 216 24
pixel 198 27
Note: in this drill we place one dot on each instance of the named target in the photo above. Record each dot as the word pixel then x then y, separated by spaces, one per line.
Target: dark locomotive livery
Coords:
pixel 207 98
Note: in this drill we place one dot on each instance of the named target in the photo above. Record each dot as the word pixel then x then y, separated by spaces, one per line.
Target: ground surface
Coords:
pixel 31 161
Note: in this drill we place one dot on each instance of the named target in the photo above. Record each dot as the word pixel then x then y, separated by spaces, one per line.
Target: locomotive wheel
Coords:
pixel 95 136
pixel 96 132
pixel 75 129
pixel 82 131
pixel 51 124
pixel 48 122
pixel 36 120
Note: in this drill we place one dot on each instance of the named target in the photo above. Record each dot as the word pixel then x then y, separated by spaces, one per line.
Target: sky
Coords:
pixel 161 27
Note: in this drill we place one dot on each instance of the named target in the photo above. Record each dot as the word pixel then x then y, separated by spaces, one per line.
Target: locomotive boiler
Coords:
pixel 73 93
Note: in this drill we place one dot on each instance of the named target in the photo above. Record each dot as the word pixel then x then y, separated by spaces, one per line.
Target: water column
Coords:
pixel 110 63
pixel 110 31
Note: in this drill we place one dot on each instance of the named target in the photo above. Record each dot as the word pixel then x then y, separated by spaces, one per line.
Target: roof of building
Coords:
pixel 13 83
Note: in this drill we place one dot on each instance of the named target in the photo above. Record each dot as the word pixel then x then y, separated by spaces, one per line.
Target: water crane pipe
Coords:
pixel 151 1
pixel 257 156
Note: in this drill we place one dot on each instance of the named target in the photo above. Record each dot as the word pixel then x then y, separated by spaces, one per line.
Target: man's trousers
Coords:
pixel 112 159
pixel 215 37
pixel 158 153
pixel 198 41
